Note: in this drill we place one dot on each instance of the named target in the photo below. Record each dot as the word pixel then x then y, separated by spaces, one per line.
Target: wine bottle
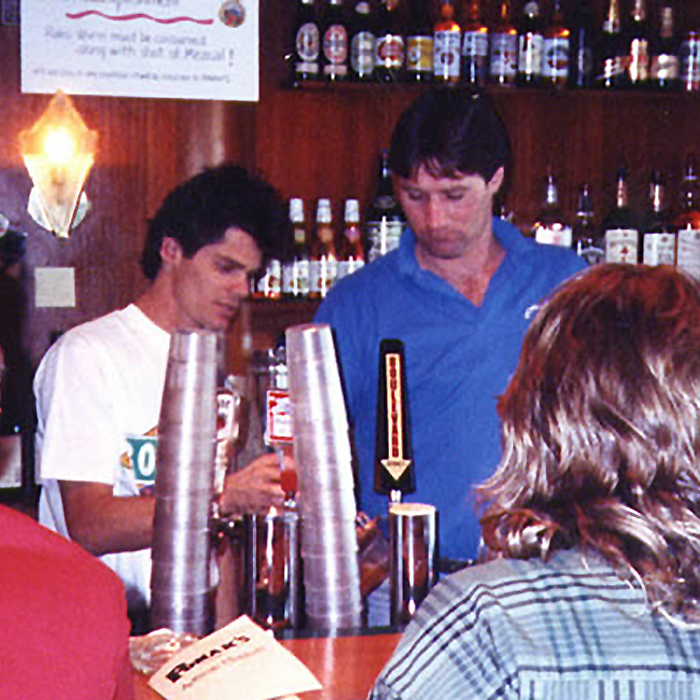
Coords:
pixel 475 46
pixel 619 227
pixel 659 239
pixel 503 52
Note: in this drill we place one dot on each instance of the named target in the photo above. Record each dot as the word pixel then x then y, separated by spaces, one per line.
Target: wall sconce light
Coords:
pixel 59 151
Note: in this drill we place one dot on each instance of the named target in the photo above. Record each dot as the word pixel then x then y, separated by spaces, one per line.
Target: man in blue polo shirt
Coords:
pixel 459 292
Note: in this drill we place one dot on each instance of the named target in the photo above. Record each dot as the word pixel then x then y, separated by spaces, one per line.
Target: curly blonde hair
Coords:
pixel 601 432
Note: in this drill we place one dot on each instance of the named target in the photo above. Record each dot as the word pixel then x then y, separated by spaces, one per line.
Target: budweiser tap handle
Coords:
pixel 394 471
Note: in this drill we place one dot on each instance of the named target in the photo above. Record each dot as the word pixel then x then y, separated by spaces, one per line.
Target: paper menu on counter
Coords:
pixel 238 662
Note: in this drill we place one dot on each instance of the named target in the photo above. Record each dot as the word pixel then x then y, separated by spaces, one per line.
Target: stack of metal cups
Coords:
pixel 324 466
pixel 181 585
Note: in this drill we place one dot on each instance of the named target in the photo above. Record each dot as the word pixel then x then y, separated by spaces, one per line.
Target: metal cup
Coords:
pixel 272 576
pixel 413 547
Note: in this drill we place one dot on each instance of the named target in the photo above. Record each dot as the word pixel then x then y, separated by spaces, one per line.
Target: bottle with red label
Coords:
pixel 307 43
pixel 503 52
pixel 475 45
pixel 557 48
pixel 391 43
pixel 334 55
pixel 447 47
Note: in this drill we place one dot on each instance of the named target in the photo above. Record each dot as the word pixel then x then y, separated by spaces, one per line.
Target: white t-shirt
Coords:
pixel 98 393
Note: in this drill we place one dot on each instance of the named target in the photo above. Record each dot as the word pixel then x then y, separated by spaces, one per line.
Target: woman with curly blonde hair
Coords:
pixel 591 583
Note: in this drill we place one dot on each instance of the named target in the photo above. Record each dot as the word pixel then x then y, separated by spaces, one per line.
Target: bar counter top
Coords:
pixel 346 666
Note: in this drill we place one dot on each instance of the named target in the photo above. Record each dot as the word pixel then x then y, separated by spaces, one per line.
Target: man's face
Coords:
pixel 447 214
pixel 208 287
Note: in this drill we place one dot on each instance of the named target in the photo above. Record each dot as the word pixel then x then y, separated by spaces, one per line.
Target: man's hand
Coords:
pixel 255 488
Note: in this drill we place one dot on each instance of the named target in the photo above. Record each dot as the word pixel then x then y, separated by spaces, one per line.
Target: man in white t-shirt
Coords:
pixel 99 388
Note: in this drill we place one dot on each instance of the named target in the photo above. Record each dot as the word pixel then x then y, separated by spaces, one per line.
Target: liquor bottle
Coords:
pixel 391 47
pixel 687 220
pixel 351 252
pixel 334 54
pixel 385 220
pixel 503 52
pixel 586 239
pixel 475 46
pixel 272 279
pixel 619 228
pixel 419 44
pixel 394 469
pixel 556 48
pixel 307 43
pixel 611 48
pixel 659 246
pixel 664 72
pixel 636 59
pixel 530 44
pixel 323 258
pixel 295 272
pixel 447 45
pixel 363 43
pixel 583 40
pixel 690 61
pixel 551 226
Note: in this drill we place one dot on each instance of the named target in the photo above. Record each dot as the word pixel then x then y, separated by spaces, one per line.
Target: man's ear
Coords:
pixel 497 180
pixel 170 251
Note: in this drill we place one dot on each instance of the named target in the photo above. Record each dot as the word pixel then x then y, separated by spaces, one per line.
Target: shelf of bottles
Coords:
pixel 538 44
pixel 325 251
pixel 661 230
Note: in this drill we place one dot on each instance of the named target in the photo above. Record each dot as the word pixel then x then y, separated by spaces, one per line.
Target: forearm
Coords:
pixel 103 523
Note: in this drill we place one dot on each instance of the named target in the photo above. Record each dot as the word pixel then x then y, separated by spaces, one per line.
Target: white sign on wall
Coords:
pixel 191 49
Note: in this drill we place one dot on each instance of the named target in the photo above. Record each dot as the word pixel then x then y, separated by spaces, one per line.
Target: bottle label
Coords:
pixel 612 68
pixel 665 68
pixel 322 275
pixel 690 62
pixel 278 407
pixel 621 246
pixel 390 51
pixel 446 53
pixel 362 52
pixel 335 50
pixel 308 44
pixel 554 235
pixel 531 51
pixel 638 69
pixel 555 65
pixel 295 278
pixel 419 54
pixel 272 280
pixel 383 237
pixel 659 249
pixel 475 44
pixel 504 57
pixel 689 252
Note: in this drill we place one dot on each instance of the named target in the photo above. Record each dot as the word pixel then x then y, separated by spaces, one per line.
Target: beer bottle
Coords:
pixel 391 47
pixel 385 220
pixel 556 48
pixel 447 46
pixel 659 240
pixel 586 239
pixel 664 73
pixel 475 46
pixel 687 220
pixel 619 227
pixel 419 44
pixel 583 36
pixel 611 48
pixel 307 43
pixel 503 53
pixel 335 43
pixel 551 227
pixel 637 47
pixel 323 258
pixel 363 43
pixel 295 272
pixel 690 61
pixel 530 44
pixel 351 252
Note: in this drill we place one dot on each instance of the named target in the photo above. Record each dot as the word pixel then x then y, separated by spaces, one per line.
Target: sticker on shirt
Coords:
pixel 141 457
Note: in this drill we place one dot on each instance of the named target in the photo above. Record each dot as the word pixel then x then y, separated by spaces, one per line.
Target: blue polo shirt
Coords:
pixel 459 358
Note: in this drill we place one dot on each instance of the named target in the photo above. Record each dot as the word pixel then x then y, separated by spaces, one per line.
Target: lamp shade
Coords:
pixel 58 151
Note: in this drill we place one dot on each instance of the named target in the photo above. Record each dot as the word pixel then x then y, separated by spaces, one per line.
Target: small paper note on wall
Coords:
pixel 191 49
pixel 54 287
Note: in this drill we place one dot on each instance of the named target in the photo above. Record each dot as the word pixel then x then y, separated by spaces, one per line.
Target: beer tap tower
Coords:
pixel 412 526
